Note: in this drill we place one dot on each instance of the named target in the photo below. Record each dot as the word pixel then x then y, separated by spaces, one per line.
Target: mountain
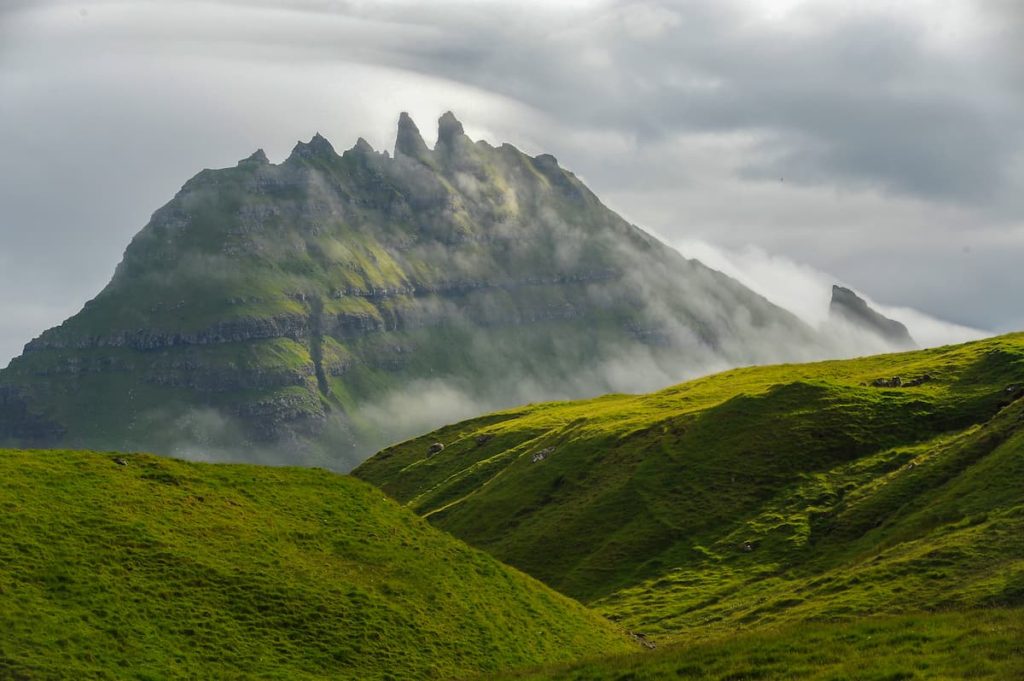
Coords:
pixel 315 310
pixel 755 497
pixel 134 565
pixel 851 308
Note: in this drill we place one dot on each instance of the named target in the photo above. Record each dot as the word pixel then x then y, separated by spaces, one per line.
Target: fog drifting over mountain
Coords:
pixel 879 143
pixel 805 291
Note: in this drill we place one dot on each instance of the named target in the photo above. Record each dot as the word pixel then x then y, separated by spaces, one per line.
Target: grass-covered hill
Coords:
pixel 133 566
pixel 986 644
pixel 759 496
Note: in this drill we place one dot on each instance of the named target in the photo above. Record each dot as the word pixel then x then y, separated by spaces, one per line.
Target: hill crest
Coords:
pixel 187 570
pixel 883 484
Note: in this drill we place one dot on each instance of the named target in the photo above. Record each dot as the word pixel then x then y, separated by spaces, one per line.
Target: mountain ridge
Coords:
pixel 288 307
pixel 848 306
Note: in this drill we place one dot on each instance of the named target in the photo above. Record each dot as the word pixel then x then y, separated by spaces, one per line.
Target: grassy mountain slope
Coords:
pixel 279 311
pixel 755 496
pixel 957 645
pixel 165 569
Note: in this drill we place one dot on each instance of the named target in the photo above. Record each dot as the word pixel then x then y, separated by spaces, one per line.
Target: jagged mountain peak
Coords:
pixel 274 304
pixel 847 305
pixel 450 133
pixel 316 147
pixel 409 142
pixel 362 152
pixel 258 157
pixel 363 146
pixel 451 139
pixel 448 125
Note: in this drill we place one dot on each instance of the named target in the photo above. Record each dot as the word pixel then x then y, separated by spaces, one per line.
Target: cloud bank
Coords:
pixel 806 291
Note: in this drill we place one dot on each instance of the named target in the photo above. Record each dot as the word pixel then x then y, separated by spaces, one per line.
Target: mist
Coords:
pixel 614 308
pixel 806 292
pixel 896 168
pixel 799 288
pixel 689 319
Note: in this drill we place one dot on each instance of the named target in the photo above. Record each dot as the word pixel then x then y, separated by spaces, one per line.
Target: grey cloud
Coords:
pixel 867 99
pixel 897 147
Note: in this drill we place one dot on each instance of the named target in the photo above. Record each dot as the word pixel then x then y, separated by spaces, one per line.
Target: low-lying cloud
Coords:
pixel 780 143
pixel 806 291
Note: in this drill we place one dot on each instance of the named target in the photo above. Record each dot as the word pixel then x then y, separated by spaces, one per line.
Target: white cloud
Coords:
pixel 806 291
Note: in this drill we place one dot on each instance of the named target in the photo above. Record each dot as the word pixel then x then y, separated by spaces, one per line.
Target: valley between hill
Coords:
pixel 753 497
pixel 857 519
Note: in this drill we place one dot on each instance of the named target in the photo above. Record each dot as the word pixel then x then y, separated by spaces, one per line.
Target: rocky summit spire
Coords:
pixel 317 147
pixel 258 157
pixel 409 141
pixel 849 306
pixel 449 129
pixel 363 147
pixel 361 150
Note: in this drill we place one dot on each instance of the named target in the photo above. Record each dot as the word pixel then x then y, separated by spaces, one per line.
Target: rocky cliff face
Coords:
pixel 850 307
pixel 313 309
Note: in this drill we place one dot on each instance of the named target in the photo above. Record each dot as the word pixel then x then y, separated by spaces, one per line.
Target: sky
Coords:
pixel 789 143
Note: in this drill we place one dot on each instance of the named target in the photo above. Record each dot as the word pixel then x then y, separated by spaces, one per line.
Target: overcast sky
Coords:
pixel 878 142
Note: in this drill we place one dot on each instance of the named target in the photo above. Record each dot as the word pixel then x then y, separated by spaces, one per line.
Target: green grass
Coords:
pixel 165 569
pixel 785 522
pixel 956 645
pixel 754 497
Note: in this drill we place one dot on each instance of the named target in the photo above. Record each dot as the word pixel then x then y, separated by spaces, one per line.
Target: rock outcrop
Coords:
pixel 850 307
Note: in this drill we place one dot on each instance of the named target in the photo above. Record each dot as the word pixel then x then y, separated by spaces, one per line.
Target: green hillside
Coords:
pixel 969 645
pixel 163 569
pixel 753 497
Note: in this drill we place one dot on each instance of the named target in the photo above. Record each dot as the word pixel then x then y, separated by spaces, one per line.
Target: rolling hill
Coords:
pixel 135 566
pixel 756 497
pixel 984 644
